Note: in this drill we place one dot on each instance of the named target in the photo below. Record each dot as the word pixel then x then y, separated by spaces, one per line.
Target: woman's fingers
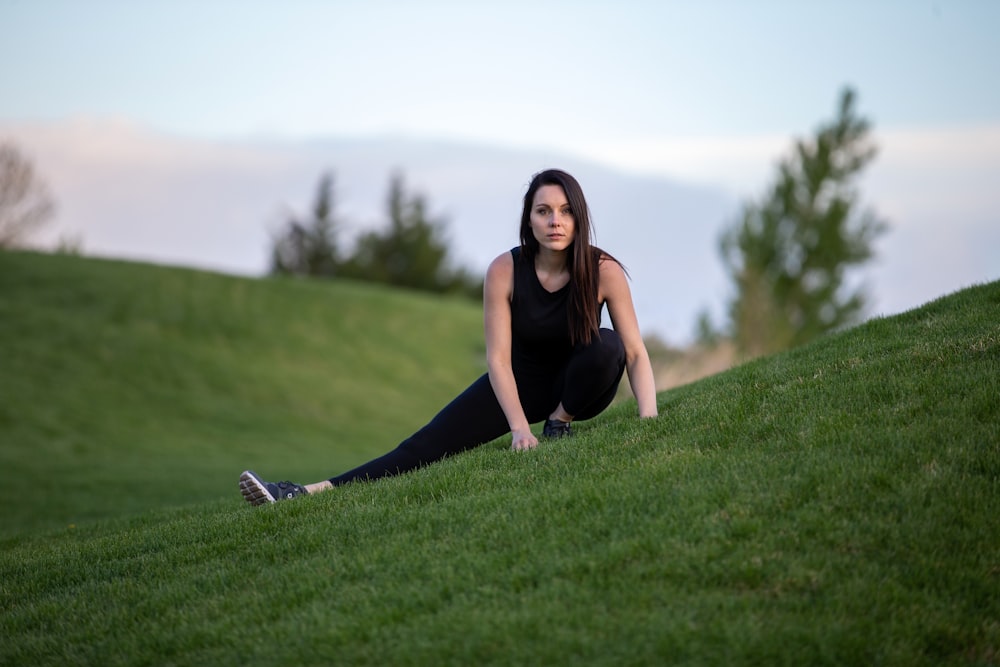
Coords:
pixel 523 441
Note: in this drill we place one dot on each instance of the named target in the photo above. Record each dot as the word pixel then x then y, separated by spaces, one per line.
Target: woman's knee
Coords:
pixel 592 376
pixel 612 343
pixel 606 352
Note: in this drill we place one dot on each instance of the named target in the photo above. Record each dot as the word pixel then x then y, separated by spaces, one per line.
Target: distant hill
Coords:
pixel 125 387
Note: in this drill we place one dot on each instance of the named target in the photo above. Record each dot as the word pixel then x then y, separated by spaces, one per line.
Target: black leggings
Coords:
pixel 586 385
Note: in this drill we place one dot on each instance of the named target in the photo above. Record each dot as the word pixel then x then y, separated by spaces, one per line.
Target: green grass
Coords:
pixel 126 387
pixel 836 504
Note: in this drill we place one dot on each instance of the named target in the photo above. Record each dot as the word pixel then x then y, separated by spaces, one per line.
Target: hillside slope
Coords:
pixel 126 387
pixel 835 504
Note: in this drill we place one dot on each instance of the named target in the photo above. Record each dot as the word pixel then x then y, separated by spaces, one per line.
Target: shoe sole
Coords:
pixel 254 490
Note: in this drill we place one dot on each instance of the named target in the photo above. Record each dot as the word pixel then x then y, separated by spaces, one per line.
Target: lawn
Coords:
pixel 835 504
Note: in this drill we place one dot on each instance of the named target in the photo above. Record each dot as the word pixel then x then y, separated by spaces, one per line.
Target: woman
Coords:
pixel 547 357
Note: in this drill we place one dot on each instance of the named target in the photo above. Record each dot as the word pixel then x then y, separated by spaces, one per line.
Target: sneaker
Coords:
pixel 257 492
pixel 556 429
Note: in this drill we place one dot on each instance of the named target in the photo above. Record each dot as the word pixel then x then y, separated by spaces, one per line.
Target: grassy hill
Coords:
pixel 126 387
pixel 836 504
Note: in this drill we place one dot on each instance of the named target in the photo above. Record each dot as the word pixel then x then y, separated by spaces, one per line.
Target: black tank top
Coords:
pixel 539 321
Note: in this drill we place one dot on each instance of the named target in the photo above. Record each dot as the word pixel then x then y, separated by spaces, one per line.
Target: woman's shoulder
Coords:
pixel 607 262
pixel 500 277
pixel 612 274
pixel 501 265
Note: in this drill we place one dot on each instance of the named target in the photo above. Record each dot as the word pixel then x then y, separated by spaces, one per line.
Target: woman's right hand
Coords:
pixel 523 440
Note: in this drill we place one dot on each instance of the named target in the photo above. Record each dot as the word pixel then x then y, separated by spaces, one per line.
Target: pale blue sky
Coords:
pixel 560 74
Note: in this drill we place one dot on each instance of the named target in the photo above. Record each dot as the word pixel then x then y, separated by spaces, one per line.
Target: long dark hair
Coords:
pixel 583 262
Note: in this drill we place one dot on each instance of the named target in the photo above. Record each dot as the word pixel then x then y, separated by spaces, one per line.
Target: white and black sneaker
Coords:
pixel 257 492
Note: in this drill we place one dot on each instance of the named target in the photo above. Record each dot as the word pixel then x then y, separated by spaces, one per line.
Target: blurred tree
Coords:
pixel 787 255
pixel 412 252
pixel 309 249
pixel 706 333
pixel 25 203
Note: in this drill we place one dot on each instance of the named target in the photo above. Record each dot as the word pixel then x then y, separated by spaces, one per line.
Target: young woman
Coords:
pixel 547 357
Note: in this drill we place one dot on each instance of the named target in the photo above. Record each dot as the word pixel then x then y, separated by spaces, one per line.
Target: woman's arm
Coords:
pixel 614 291
pixel 497 290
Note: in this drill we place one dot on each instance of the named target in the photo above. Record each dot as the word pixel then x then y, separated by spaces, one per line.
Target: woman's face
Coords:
pixel 552 221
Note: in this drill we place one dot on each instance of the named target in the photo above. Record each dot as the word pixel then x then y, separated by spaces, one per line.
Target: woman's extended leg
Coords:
pixel 474 417
pixel 587 385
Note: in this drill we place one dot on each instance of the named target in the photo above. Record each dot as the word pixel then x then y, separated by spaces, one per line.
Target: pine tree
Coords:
pixel 789 254
pixel 310 249
pixel 411 252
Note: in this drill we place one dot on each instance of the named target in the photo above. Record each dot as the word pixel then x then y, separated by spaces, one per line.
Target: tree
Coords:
pixel 310 248
pixel 789 254
pixel 411 252
pixel 25 203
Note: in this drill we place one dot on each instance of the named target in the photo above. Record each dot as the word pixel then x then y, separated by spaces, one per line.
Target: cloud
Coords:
pixel 133 193
pixel 942 176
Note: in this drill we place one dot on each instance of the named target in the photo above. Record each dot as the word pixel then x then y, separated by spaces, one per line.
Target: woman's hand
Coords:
pixel 523 440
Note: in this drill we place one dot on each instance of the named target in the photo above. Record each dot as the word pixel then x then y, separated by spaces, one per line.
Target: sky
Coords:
pixel 707 93
pixel 563 74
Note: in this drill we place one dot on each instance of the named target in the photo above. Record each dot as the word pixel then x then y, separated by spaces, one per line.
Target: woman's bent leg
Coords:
pixel 592 375
pixel 474 417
